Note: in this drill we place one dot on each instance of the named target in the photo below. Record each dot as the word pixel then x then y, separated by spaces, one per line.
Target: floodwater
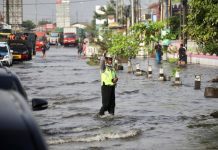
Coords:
pixel 150 114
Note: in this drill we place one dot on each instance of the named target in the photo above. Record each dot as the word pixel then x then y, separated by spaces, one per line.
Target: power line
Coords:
pixel 73 2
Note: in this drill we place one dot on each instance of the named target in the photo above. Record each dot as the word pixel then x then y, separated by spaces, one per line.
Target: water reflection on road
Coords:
pixel 149 114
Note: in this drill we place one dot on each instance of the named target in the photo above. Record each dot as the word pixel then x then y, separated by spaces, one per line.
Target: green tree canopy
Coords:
pixel 43 22
pixel 28 24
pixel 123 45
pixel 203 20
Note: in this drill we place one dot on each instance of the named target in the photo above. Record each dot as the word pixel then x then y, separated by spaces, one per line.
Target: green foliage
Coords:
pixel 28 24
pixel 174 23
pixel 43 22
pixel 106 42
pixel 203 20
pixel 123 45
pixel 174 70
pixel 93 61
pixel 173 60
pixel 211 48
pixel 129 45
pixel 147 33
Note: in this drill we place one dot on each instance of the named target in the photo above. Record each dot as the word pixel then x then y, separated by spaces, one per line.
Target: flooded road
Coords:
pixel 149 114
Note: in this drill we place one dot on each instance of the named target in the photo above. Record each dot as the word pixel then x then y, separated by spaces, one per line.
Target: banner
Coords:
pixel 58 1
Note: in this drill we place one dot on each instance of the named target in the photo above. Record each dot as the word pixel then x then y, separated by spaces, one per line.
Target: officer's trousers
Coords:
pixel 108 99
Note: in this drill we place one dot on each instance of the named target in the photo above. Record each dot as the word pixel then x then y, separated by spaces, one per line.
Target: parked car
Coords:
pixel 6 56
pixel 18 129
pixel 20 50
pixel 10 81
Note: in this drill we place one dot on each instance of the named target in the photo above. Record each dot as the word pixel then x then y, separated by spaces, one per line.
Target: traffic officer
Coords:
pixel 108 83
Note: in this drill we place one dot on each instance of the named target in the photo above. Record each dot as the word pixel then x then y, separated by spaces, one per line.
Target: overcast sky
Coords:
pixel 84 10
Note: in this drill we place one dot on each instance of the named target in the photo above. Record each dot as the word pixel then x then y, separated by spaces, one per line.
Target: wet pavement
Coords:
pixel 149 114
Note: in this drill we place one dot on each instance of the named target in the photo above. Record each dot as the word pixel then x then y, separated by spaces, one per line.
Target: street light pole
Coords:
pixel 133 17
pixel 185 22
pixel 36 9
pixel 116 10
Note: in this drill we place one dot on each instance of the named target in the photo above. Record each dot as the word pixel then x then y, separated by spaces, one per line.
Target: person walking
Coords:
pixel 108 83
pixel 159 53
pixel 56 43
pixel 182 55
pixel 44 51
pixel 80 48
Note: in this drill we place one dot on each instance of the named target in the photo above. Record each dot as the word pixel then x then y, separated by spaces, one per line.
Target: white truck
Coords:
pixel 70 30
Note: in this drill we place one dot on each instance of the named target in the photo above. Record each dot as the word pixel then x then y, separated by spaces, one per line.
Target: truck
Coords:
pixel 55 37
pixel 70 36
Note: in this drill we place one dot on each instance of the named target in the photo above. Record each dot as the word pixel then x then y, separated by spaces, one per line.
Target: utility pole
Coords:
pixel 117 10
pixel 77 16
pixel 133 14
pixel 36 9
pixel 7 12
pixel 184 20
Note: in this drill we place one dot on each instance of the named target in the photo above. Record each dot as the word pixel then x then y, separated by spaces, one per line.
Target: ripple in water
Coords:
pixel 130 92
pixel 97 137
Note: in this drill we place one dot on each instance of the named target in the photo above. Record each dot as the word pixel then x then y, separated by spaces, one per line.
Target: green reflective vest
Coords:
pixel 107 76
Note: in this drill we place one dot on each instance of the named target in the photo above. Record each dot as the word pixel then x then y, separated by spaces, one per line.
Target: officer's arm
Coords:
pixel 102 64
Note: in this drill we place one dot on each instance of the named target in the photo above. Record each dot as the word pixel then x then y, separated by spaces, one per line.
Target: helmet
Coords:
pixel 108 55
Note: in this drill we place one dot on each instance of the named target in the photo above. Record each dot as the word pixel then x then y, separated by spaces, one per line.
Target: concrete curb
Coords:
pixel 198 59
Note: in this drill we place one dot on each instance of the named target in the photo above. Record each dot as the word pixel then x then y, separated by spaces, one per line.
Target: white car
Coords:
pixel 6 57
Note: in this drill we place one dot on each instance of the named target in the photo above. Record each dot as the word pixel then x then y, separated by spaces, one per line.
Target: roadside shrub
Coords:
pixel 211 48
pixel 173 60
pixel 93 61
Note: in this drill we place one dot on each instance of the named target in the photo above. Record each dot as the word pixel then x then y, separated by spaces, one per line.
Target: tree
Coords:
pixel 43 22
pixel 203 21
pixel 28 24
pixel 122 45
pixel 174 23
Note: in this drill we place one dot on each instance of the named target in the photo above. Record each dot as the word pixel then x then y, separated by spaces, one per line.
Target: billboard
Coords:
pixel 14 14
pixel 58 1
pixel 63 13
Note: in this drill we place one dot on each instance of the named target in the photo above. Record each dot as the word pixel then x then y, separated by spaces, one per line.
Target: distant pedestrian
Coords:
pixel 56 43
pixel 108 83
pixel 44 51
pixel 84 48
pixel 80 48
pixel 159 53
pixel 182 55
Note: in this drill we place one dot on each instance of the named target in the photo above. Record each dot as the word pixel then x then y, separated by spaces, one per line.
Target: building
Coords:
pixel 13 13
pixel 166 9
pixel 154 12
pixel 63 13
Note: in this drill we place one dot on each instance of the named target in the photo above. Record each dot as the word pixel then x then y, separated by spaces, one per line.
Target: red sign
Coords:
pixel 49 26
pixel 58 1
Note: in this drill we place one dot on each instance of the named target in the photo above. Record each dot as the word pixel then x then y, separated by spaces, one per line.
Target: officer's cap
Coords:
pixel 108 55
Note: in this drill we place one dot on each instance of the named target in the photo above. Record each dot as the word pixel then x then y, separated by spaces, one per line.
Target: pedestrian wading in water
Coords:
pixel 108 83
pixel 44 51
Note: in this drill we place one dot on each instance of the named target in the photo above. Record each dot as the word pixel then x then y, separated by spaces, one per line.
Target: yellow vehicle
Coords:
pixel 4 36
